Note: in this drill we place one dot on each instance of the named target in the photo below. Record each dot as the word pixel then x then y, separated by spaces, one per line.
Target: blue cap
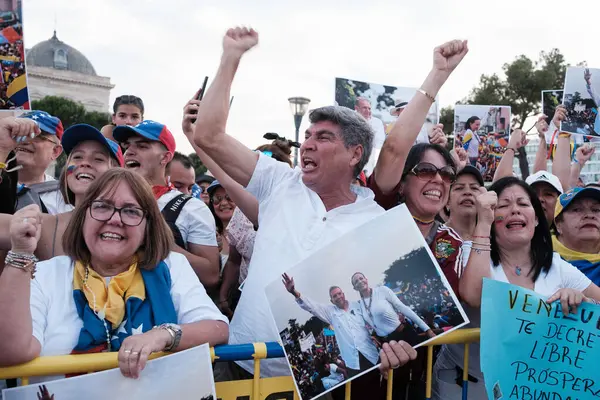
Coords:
pixel 150 130
pixel 576 193
pixel 48 123
pixel 213 186
pixel 81 132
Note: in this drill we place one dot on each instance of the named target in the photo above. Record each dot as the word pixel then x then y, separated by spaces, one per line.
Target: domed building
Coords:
pixel 56 69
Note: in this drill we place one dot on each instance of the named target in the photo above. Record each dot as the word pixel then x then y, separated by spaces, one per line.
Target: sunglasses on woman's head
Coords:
pixel 427 171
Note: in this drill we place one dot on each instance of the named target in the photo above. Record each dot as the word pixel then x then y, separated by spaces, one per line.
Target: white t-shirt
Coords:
pixel 293 224
pixel 56 324
pixel 195 221
pixel 561 275
pixel 379 130
pixel 334 377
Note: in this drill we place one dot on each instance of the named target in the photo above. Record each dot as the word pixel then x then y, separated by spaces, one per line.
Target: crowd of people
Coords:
pixel 12 50
pixel 113 256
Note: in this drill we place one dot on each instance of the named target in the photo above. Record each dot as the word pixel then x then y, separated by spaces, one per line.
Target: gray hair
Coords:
pixel 359 99
pixel 354 128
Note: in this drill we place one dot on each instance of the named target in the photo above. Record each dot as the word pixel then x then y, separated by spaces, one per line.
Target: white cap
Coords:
pixel 545 176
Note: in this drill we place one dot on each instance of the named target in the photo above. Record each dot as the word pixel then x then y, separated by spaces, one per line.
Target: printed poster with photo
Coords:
pixel 13 78
pixel 186 375
pixel 582 99
pixel 483 131
pixel 550 100
pixel 371 284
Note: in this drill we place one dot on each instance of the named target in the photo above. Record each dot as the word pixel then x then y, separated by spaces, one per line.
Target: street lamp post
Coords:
pixel 299 106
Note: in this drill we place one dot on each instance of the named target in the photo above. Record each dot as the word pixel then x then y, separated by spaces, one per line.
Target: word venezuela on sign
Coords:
pixel 530 350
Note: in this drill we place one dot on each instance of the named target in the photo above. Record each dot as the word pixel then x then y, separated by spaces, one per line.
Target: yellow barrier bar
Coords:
pixel 348 391
pixel 459 336
pixel 24 381
pixel 69 364
pixel 429 370
pixel 390 384
pixel 260 351
pixel 466 364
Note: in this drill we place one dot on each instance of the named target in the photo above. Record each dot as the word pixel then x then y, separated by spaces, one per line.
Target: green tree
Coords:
pixel 199 167
pixel 70 113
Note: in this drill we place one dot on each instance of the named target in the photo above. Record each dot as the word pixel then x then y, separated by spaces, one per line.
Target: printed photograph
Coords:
pixel 582 99
pixel 189 372
pixel 550 100
pixel 13 77
pixel 335 309
pixel 483 131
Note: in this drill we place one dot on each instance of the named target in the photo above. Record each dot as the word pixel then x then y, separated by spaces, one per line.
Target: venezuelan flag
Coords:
pixel 17 92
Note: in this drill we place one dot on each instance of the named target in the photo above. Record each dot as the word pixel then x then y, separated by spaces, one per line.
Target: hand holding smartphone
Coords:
pixel 200 95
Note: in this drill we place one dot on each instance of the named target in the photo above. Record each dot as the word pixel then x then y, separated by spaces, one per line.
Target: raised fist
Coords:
pixel 238 40
pixel 447 56
pixel 486 204
pixel 25 229
pixel 16 130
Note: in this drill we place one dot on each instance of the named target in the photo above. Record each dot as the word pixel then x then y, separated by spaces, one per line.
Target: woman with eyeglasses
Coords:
pixel 222 207
pixel 89 156
pixel 118 288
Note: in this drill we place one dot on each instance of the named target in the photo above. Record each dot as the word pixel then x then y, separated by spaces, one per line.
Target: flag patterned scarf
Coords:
pixel 133 303
pixel 589 264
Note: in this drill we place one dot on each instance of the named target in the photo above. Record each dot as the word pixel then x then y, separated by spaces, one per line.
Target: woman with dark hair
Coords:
pixel 471 139
pixel 512 244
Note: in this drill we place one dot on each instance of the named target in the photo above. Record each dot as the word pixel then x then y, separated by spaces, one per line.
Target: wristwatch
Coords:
pixel 175 332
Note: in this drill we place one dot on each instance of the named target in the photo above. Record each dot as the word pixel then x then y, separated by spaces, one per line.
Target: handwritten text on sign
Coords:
pixel 530 350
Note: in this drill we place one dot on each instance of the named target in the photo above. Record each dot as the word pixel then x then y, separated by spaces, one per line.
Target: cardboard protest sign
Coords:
pixel 372 285
pixel 13 78
pixel 186 375
pixel 582 99
pixel 530 350
pixel 483 131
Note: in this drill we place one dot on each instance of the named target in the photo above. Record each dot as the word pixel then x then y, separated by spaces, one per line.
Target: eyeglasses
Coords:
pixel 103 211
pixel 44 138
pixel 427 171
pixel 218 199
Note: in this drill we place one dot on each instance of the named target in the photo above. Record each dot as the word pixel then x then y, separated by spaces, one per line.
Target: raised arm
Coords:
pixel 582 155
pixel 390 164
pixel 243 199
pixel 233 157
pixel 318 310
pixel 540 163
pixel 478 266
pixel 517 140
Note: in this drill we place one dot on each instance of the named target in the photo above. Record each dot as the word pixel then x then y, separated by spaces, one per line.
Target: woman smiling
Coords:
pixel 117 289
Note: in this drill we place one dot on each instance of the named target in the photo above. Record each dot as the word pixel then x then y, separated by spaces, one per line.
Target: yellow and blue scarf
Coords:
pixel 134 302
pixel 587 263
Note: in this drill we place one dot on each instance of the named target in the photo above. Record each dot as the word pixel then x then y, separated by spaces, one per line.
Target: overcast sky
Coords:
pixel 161 50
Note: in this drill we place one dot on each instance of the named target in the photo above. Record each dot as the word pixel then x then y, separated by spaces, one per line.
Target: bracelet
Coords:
pixel 564 135
pixel 479 251
pixel 480 237
pixel 22 261
pixel 424 93
pixel 482 244
pixel 510 148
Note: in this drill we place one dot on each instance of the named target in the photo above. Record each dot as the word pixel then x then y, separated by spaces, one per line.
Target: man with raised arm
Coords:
pixel 301 210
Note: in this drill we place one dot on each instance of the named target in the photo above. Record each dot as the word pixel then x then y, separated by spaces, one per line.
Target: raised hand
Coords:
pixel 460 156
pixel 542 126
pixel 238 40
pixel 447 56
pixel 44 394
pixel 25 229
pixel 560 114
pixel 517 139
pixel 16 130
pixel 584 153
pixel 190 113
pixel 486 204
pixel 587 75
pixel 288 282
pixel 437 135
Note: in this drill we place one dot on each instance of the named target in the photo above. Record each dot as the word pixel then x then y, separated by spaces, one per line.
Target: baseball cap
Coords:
pixel 48 123
pixel 576 193
pixel 151 130
pixel 545 176
pixel 81 132
pixel 213 186
pixel 471 170
pixel 205 178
